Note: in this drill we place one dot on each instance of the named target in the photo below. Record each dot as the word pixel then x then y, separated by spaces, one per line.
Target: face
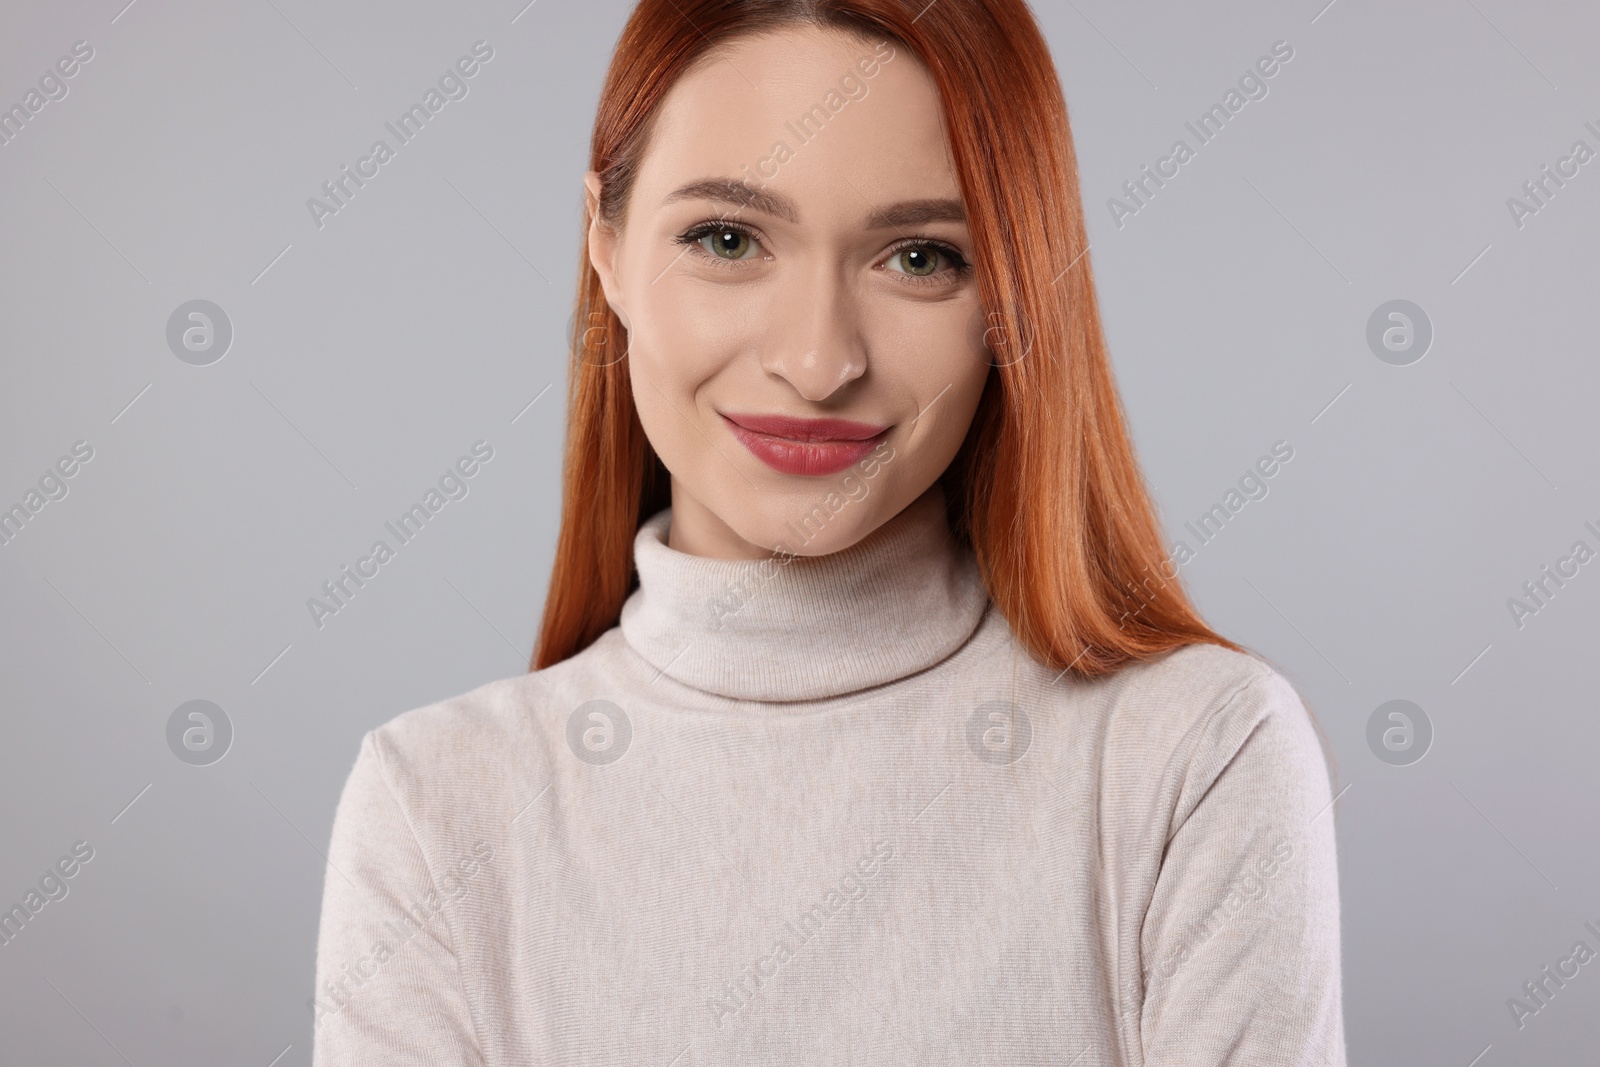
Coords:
pixel 805 335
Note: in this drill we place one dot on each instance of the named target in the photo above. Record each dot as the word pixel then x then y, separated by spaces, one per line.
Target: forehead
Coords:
pixel 795 110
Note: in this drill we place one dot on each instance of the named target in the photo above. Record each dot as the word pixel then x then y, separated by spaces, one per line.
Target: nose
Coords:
pixel 814 339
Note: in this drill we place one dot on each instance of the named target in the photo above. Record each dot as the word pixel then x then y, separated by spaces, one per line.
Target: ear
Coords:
pixel 603 243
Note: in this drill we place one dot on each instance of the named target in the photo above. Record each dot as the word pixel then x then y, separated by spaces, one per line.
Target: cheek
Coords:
pixel 925 349
pixel 933 355
pixel 679 343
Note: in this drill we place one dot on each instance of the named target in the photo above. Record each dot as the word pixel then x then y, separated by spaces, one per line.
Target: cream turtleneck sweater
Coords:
pixel 829 811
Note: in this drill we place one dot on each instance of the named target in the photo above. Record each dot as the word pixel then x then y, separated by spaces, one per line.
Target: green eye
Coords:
pixel 919 261
pixel 727 243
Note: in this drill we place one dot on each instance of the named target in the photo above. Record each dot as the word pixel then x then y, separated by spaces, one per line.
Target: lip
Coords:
pixel 808 447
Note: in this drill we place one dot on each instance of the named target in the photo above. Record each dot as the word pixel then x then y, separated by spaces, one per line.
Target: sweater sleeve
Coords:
pixel 1240 944
pixel 388 985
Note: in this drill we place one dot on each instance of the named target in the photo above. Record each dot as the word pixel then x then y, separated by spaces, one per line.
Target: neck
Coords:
pixel 789 628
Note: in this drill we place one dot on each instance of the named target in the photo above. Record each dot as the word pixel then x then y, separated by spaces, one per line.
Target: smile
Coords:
pixel 813 447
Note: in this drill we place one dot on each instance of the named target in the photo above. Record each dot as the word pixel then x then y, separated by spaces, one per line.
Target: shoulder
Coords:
pixel 1196 688
pixel 1201 711
pixel 451 744
pixel 448 774
pixel 496 737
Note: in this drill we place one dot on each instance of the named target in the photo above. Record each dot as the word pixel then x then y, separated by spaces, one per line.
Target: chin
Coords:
pixel 812 523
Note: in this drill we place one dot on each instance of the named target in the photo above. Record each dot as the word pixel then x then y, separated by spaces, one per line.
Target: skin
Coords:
pixel 836 313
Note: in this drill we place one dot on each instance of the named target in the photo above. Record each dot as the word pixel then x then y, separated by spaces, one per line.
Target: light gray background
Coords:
pixel 370 354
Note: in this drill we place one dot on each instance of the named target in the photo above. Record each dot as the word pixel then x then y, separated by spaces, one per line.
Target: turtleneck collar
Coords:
pixel 898 601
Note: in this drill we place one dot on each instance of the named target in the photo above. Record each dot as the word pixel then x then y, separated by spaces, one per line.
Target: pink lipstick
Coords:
pixel 804 446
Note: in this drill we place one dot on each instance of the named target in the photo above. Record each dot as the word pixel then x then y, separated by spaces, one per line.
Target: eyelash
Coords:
pixel 693 237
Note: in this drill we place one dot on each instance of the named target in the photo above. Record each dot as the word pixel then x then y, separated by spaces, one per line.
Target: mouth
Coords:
pixel 807 447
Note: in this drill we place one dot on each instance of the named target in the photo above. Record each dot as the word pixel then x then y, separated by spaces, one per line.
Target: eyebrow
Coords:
pixel 732 191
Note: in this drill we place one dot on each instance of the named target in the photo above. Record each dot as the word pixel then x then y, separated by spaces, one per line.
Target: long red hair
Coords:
pixel 1046 489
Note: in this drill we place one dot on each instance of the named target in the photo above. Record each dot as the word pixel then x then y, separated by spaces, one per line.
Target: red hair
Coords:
pixel 1045 490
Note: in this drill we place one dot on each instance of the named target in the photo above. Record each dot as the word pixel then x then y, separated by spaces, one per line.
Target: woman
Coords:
pixel 868 722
